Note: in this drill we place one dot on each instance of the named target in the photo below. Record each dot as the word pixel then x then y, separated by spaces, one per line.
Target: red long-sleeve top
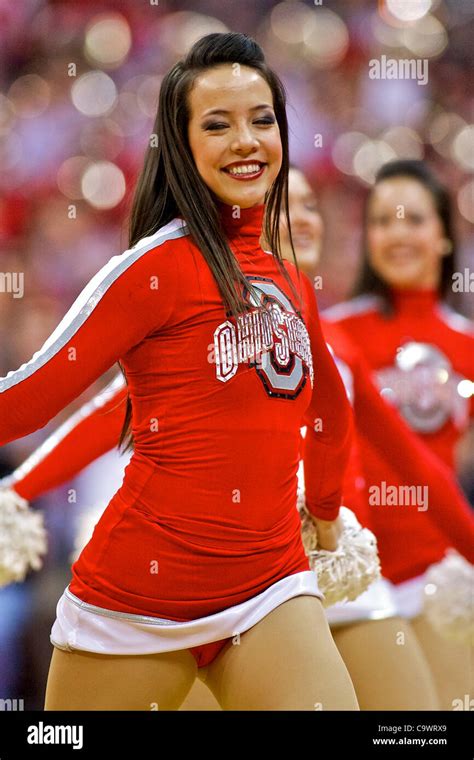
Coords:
pixel 96 427
pixel 205 517
pixel 426 392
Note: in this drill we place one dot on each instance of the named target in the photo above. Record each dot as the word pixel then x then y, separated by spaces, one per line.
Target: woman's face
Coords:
pixel 233 129
pixel 405 235
pixel 306 224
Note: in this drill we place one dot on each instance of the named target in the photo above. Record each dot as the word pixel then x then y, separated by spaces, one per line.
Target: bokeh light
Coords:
pixel 465 388
pixel 426 38
pixel 94 93
pixel 408 10
pixel 108 40
pixel 405 142
pixel 69 176
pixel 465 199
pixel 442 130
pixel 327 40
pixel 103 185
pixel 344 149
pixel 462 149
pixel 178 31
pixel 293 23
pixel 368 159
pixel 29 96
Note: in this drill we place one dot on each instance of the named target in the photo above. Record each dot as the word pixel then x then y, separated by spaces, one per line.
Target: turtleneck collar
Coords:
pixel 242 226
pixel 414 300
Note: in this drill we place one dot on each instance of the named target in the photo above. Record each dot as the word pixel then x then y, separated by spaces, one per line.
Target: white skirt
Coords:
pixel 376 603
pixel 409 596
pixel 84 626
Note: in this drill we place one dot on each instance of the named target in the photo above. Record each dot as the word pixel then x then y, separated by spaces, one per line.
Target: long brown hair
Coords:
pixel 170 185
pixel 368 281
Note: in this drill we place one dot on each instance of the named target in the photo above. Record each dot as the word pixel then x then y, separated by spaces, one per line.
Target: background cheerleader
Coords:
pixel 422 354
pixel 367 630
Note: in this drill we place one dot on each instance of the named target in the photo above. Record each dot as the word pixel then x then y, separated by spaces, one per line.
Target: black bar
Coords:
pixel 157 734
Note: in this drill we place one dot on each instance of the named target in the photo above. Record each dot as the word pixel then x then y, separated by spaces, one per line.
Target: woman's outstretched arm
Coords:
pixel 130 297
pixel 86 435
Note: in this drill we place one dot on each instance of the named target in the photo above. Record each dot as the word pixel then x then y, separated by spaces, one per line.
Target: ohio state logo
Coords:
pixel 424 387
pixel 275 342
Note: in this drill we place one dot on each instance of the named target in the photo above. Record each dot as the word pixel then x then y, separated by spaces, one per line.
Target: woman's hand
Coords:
pixel 329 532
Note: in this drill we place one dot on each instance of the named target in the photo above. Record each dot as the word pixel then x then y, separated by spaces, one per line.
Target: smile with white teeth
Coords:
pixel 245 169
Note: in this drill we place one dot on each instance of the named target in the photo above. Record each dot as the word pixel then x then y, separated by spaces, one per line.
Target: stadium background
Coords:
pixel 78 90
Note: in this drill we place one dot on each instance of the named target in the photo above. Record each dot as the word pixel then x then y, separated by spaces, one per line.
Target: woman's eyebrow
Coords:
pixel 223 111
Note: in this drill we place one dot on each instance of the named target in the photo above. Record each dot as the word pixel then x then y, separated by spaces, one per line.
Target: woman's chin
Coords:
pixel 402 277
pixel 402 283
pixel 242 196
pixel 308 258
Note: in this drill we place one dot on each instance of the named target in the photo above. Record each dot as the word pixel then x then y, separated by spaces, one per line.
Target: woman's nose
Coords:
pixel 398 229
pixel 244 140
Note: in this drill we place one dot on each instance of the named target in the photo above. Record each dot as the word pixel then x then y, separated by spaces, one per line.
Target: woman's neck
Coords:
pixel 413 300
pixel 242 224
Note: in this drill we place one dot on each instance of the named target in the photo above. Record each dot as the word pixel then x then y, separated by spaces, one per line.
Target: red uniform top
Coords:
pixel 95 429
pixel 420 357
pixel 205 517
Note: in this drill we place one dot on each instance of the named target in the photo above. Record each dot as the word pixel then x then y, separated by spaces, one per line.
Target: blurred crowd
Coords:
pixel 78 90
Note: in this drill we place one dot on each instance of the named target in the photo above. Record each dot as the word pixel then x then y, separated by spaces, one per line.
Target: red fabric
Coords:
pixel 377 422
pixel 93 435
pixel 205 517
pixel 206 653
pixel 409 540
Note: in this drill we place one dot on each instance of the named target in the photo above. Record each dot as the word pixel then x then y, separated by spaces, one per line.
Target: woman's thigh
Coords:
pixel 387 665
pixel 287 661
pixel 451 662
pixel 81 680
pixel 200 698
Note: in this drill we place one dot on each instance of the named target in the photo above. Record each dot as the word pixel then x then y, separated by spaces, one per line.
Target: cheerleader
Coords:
pixel 366 631
pixel 407 683
pixel 421 353
pixel 198 557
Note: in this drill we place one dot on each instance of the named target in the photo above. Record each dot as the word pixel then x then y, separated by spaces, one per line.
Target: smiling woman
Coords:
pixel 198 561
pixel 422 358
pixel 247 129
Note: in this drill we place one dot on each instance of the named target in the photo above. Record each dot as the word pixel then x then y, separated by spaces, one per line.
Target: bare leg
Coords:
pixel 287 661
pixel 451 663
pixel 200 698
pixel 81 680
pixel 387 665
